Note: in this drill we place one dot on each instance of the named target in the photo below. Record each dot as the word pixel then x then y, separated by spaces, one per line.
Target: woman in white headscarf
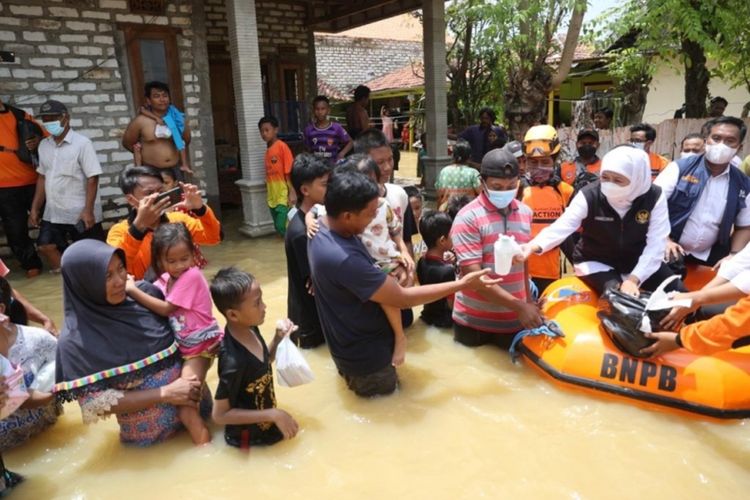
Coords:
pixel 624 224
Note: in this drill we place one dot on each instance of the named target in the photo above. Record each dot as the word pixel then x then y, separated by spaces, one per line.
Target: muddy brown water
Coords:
pixel 466 423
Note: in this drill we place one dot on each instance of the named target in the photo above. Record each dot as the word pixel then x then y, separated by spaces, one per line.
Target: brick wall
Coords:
pixel 282 36
pixel 280 24
pixel 345 62
pixel 73 52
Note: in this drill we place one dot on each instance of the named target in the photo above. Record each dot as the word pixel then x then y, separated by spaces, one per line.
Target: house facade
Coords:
pixel 228 62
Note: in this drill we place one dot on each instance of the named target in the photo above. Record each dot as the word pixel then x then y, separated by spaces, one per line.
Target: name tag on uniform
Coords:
pixel 691 179
pixel 602 218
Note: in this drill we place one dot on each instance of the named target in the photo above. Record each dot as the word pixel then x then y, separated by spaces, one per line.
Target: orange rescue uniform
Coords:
pixel 569 170
pixel 547 203
pixel 720 332
pixel 658 162
pixel 13 172
pixel 205 230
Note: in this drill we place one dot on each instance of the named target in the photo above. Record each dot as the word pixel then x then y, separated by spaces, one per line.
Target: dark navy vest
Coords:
pixel 610 239
pixel 692 179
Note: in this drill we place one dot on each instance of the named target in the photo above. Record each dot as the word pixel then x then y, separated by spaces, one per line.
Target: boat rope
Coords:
pixel 549 328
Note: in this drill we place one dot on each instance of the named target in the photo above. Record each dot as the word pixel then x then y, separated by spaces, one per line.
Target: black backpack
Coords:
pixel 26 129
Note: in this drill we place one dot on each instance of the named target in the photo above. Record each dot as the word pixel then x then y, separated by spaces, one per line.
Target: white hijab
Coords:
pixel 633 164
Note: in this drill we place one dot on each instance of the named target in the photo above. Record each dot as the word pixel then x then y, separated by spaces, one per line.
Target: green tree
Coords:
pixel 499 56
pixel 472 59
pixel 685 34
pixel 533 30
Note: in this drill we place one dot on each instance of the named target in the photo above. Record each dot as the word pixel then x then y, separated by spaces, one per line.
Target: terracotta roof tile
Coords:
pixel 407 77
pixel 324 88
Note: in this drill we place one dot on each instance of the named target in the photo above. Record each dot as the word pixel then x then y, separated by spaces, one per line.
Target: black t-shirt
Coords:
pixel 356 328
pixel 431 270
pixel 300 304
pixel 247 382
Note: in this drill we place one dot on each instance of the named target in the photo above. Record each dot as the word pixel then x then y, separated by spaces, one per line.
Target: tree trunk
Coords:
pixel 526 99
pixel 634 101
pixel 528 89
pixel 571 43
pixel 696 79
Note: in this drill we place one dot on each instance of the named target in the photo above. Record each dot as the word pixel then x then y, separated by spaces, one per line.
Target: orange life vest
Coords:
pixel 569 170
pixel 548 203
pixel 658 162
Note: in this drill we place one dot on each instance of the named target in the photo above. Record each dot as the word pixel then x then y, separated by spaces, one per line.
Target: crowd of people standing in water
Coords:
pixel 139 334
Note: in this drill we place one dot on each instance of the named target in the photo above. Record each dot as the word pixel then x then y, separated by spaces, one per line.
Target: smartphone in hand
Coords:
pixel 174 195
pixel 80 226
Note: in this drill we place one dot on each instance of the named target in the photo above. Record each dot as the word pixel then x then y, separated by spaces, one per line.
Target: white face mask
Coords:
pixel 639 145
pixel 719 153
pixel 687 154
pixel 614 192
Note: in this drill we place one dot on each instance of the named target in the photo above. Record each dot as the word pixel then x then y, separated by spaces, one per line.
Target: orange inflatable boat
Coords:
pixel 714 386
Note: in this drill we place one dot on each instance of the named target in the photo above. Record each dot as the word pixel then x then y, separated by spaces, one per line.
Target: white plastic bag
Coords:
pixel 45 378
pixel 662 300
pixel 17 392
pixel 291 368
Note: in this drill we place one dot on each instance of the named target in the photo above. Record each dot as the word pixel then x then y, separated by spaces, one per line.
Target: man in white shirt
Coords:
pixel 708 198
pixel 69 184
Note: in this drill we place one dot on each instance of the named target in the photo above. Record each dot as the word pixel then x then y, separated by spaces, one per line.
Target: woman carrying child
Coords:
pixel 114 356
pixel 187 304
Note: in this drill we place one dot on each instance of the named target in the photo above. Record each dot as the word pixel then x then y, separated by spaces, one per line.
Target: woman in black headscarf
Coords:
pixel 115 356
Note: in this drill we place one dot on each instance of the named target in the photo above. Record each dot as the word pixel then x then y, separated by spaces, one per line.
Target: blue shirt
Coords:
pixel 345 278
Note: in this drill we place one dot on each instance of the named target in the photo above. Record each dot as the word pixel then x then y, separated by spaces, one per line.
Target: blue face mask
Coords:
pixel 54 128
pixel 501 199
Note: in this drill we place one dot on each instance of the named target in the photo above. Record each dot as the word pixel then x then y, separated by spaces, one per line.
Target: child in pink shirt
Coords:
pixel 188 305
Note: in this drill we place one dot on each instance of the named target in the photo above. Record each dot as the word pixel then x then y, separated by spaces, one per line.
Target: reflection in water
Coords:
pixel 465 423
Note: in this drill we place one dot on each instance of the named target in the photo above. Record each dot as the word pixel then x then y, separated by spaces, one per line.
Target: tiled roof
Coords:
pixel 583 52
pixel 345 62
pixel 324 88
pixel 407 77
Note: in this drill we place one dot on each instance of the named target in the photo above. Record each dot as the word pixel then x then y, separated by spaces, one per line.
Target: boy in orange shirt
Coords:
pixel 278 161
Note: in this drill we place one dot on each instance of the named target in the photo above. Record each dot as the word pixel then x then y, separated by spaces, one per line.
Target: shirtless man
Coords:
pixel 159 152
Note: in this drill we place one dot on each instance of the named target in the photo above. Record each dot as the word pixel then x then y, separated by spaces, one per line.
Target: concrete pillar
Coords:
pixel 248 95
pixel 206 120
pixel 436 105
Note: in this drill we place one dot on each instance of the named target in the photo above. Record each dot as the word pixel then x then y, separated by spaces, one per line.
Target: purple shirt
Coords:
pixel 326 142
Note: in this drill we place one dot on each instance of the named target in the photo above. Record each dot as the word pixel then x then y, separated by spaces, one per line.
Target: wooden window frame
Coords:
pixel 167 34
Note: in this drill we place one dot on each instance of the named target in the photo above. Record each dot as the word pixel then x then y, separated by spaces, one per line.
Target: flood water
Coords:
pixel 465 423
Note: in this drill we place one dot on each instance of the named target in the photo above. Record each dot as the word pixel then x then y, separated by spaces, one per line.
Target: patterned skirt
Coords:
pixel 24 424
pixel 157 423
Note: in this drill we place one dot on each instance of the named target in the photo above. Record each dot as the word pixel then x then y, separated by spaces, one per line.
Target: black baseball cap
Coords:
pixel 588 132
pixel 499 163
pixel 53 108
pixel 515 148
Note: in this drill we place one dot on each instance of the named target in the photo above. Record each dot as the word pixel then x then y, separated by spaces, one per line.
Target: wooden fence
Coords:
pixel 669 135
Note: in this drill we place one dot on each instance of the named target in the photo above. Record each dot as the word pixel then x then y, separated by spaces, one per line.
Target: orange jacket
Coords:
pixel 658 162
pixel 548 203
pixel 205 230
pixel 718 333
pixel 569 170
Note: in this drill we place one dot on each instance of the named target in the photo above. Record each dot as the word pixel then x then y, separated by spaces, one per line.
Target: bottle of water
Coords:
pixel 505 249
